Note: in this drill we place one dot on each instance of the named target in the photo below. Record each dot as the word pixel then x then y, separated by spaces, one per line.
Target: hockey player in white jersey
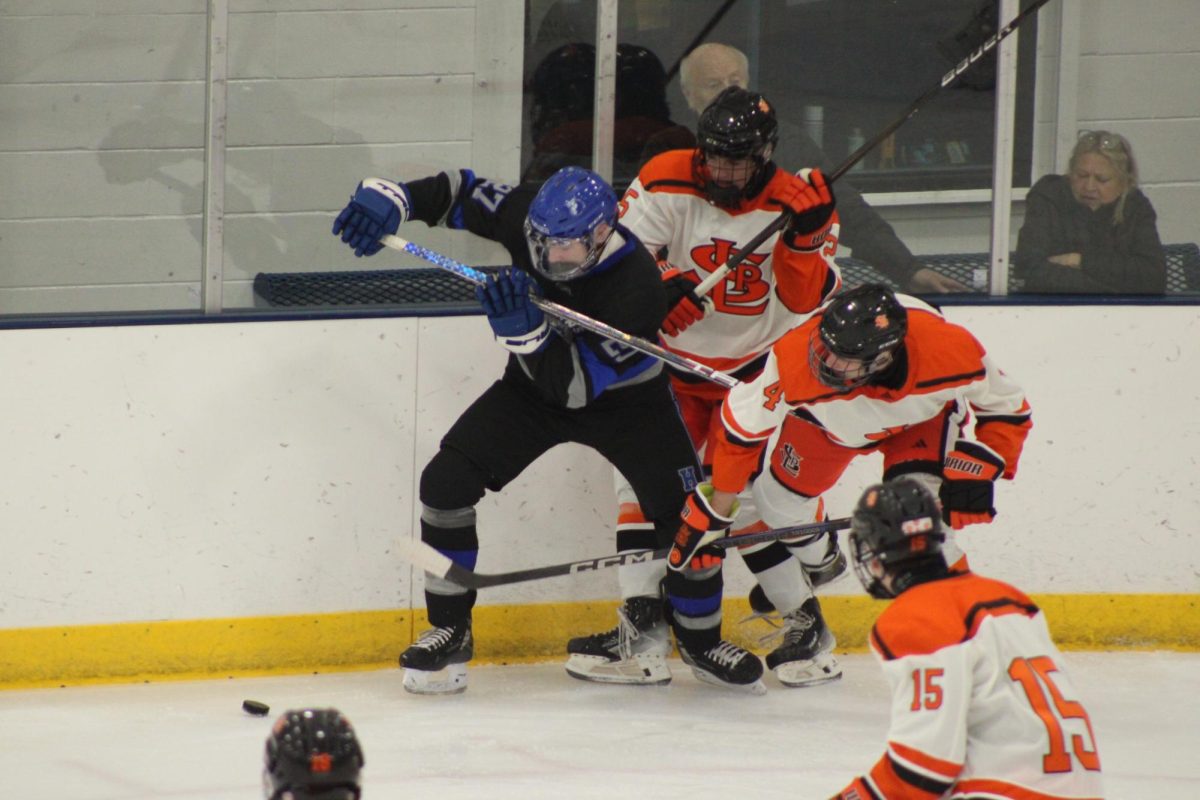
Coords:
pixel 873 371
pixel 693 208
pixel 982 705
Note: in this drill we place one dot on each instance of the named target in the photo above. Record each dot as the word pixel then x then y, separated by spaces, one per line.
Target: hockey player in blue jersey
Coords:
pixel 559 385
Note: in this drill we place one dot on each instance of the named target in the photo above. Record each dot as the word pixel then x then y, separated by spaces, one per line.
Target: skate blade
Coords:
pixel 641 670
pixel 799 674
pixel 449 680
pixel 756 688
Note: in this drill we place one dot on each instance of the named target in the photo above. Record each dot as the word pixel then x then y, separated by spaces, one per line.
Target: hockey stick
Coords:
pixel 737 257
pixel 430 560
pixel 570 315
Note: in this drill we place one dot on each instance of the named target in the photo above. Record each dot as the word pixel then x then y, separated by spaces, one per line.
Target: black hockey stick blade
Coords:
pixel 430 560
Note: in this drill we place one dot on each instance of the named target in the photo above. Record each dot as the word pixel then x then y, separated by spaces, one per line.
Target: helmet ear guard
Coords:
pixel 896 537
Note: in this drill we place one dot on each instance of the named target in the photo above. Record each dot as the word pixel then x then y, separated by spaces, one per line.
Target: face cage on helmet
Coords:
pixel 844 381
pixel 539 252
pixel 343 791
pixel 720 187
pixel 861 556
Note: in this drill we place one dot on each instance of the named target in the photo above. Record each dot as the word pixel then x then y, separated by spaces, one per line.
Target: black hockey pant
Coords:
pixel 637 429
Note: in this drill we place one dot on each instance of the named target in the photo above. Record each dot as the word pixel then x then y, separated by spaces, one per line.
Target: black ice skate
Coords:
pixel 437 662
pixel 634 652
pixel 725 664
pixel 806 656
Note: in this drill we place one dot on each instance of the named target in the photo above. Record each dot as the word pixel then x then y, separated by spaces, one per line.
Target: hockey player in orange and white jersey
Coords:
pixel 697 207
pixel 982 705
pixel 873 371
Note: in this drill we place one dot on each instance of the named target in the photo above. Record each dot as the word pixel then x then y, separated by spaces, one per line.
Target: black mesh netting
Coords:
pixel 435 288
pixel 420 287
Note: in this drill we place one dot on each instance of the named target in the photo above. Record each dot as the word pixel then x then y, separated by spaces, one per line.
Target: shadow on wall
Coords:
pixel 260 190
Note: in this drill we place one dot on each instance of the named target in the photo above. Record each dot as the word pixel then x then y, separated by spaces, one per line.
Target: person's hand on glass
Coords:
pixel 1067 260
pixel 926 280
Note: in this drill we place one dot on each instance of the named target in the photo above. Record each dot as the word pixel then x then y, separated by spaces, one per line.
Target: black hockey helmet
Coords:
pixel 896 531
pixel 860 331
pixel 312 754
pixel 737 125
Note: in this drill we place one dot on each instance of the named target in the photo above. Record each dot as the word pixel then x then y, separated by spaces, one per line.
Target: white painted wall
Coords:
pixel 198 471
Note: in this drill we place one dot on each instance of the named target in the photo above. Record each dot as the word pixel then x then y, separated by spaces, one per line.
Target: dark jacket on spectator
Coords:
pixel 1115 259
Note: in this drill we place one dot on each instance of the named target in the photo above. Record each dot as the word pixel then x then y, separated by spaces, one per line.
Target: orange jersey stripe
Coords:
pixel 1008 791
pixel 630 515
pixel 727 419
pixel 1006 435
pixel 947 770
pixel 901 784
pixel 738 463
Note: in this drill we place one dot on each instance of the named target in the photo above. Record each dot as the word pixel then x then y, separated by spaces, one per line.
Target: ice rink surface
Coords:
pixel 530 731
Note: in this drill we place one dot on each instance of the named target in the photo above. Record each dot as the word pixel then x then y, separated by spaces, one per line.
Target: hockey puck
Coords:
pixel 255 708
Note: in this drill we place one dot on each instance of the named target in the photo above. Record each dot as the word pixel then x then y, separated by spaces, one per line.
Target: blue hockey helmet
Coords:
pixel 569 223
pixel 312 753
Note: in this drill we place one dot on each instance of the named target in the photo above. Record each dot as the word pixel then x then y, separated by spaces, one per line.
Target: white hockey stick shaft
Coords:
pixel 570 315
pixel 735 258
pixel 430 560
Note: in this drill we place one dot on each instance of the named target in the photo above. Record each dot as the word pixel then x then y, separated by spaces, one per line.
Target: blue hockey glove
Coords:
pixel 507 299
pixel 378 207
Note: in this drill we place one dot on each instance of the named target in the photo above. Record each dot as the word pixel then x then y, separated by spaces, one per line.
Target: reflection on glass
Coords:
pixel 101 157
pixel 562 100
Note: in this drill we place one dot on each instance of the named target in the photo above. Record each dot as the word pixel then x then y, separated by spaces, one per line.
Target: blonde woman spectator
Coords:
pixel 1092 231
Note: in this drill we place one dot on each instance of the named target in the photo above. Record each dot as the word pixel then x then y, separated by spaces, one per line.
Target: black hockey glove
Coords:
pixel 969 476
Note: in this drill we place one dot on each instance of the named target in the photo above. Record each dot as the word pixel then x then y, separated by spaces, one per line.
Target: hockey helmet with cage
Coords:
pixel 312 754
pixel 735 138
pixel 860 332
pixel 569 222
pixel 896 537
